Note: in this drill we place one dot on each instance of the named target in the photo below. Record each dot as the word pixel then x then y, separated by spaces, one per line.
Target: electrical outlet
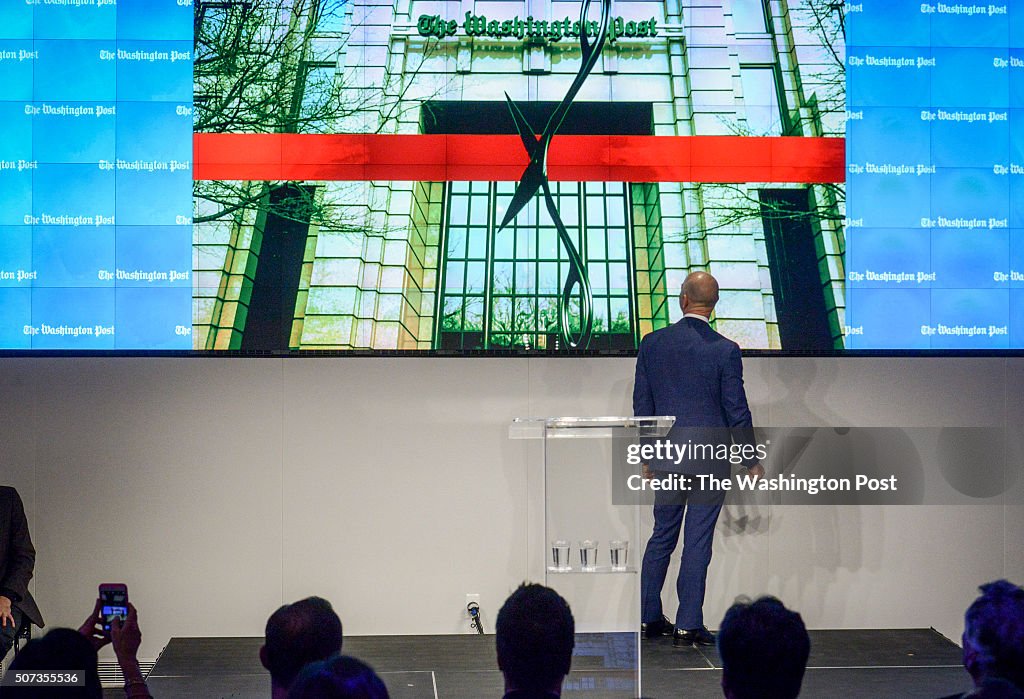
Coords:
pixel 473 612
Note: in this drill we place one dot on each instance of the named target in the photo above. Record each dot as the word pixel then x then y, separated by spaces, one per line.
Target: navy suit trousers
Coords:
pixel 696 513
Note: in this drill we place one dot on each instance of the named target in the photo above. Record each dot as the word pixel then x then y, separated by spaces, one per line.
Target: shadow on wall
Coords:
pixel 831 538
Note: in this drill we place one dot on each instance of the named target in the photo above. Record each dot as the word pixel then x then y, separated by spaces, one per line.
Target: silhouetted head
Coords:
pixel 298 634
pixel 535 637
pixel 994 634
pixel 61 650
pixel 764 649
pixel 699 294
pixel 341 677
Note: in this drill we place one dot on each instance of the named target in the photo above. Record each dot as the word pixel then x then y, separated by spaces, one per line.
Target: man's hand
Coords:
pixel 757 471
pixel 92 628
pixel 126 636
pixel 646 473
pixel 6 615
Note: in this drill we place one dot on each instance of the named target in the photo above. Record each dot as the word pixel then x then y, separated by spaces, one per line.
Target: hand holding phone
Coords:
pixel 126 636
pixel 92 628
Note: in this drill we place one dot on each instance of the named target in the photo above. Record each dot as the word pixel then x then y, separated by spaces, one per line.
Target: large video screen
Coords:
pixel 509 175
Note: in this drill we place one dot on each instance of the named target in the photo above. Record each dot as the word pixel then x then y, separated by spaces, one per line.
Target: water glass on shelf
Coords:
pixel 588 554
pixel 618 552
pixel 560 554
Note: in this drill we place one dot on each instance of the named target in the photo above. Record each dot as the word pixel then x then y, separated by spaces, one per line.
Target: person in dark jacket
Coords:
pixel 17 561
pixel 691 372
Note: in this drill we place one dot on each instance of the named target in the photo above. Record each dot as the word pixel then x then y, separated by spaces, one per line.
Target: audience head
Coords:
pixel 535 637
pixel 60 650
pixel 994 634
pixel 298 634
pixel 340 677
pixel 699 294
pixel 764 649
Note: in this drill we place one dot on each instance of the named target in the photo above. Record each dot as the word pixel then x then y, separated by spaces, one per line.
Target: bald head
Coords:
pixel 699 294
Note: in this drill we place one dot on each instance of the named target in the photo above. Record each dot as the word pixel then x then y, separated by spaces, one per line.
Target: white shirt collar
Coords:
pixel 697 315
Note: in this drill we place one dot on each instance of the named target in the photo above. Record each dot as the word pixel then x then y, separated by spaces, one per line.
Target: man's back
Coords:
pixel 690 371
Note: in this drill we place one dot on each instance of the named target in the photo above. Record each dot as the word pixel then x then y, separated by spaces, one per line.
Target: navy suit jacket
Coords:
pixel 690 371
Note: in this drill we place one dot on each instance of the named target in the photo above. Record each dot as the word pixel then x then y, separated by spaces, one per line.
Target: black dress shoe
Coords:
pixel 661 627
pixel 693 637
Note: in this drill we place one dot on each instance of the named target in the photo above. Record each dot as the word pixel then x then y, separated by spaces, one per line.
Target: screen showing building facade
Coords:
pixel 287 175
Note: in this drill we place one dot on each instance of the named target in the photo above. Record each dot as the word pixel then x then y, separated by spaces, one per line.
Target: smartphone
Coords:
pixel 114 602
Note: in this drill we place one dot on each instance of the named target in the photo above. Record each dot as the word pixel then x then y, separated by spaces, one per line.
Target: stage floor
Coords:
pixel 868 663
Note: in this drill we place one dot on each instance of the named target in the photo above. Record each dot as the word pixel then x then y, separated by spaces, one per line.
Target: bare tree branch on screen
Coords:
pixel 278 66
pixel 816 30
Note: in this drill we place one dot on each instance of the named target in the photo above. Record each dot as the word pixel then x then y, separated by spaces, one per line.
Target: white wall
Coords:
pixel 220 488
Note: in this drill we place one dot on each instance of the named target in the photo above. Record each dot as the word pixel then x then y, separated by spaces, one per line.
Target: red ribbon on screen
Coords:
pixel 450 157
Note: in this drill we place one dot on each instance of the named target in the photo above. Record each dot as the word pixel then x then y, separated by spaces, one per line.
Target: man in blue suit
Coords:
pixel 690 371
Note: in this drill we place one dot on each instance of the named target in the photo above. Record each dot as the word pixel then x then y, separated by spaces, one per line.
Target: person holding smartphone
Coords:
pixel 68 651
pixel 17 562
pixel 124 635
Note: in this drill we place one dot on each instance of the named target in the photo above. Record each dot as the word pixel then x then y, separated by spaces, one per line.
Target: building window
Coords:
pixel 500 289
pixel 796 261
pixel 649 259
pixel 277 272
pixel 218 35
pixel 764 112
pixel 748 17
pixel 330 16
pixel 315 97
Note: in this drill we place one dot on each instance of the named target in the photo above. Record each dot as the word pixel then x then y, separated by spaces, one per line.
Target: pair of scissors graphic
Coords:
pixel 535 178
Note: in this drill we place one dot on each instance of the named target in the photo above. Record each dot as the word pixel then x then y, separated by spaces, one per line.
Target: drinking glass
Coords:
pixel 588 554
pixel 560 554
pixel 618 552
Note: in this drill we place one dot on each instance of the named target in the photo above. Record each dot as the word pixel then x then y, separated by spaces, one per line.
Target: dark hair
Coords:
pixel 61 650
pixel 764 649
pixel 341 677
pixel 535 637
pixel 298 634
pixel 994 630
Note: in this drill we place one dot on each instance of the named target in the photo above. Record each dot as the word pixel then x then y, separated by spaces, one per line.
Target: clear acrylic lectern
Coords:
pixel 592 542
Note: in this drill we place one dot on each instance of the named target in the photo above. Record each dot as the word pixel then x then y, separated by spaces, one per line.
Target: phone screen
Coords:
pixel 115 606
